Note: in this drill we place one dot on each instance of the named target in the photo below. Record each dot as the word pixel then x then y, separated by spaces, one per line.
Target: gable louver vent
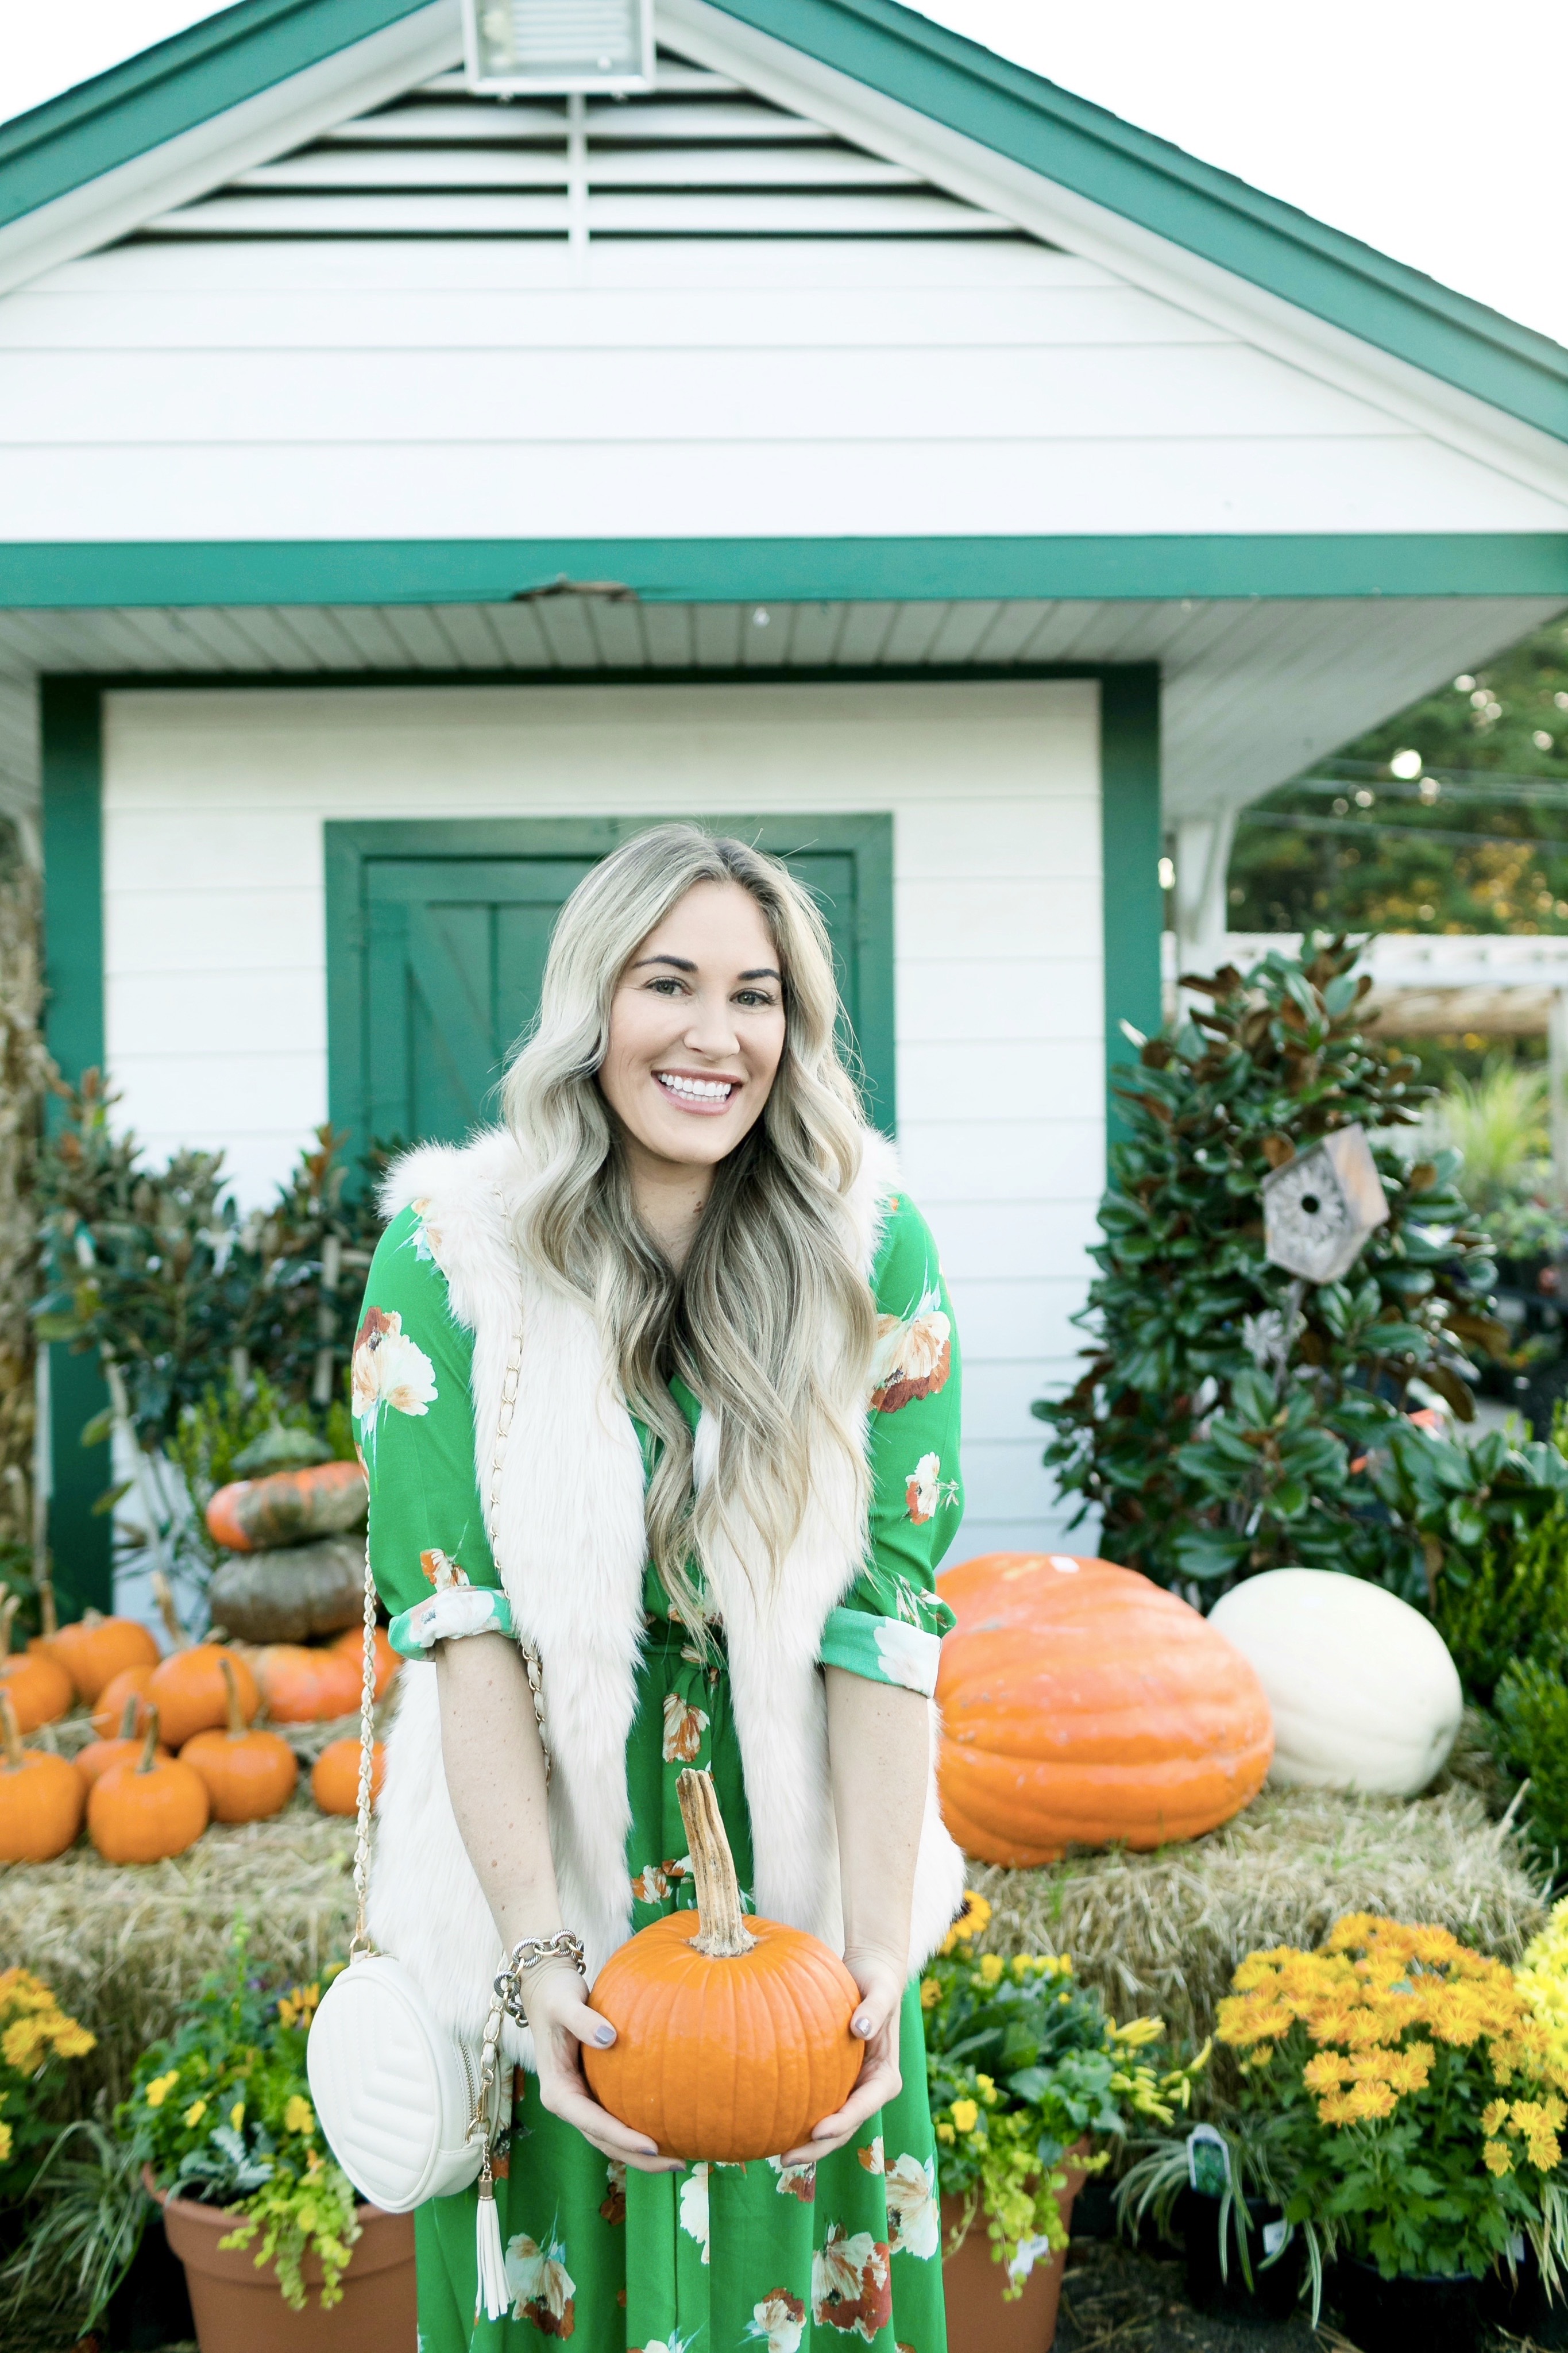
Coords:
pixel 696 156
pixel 514 46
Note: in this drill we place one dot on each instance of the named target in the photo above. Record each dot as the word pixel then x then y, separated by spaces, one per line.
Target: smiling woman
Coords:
pixel 681 1320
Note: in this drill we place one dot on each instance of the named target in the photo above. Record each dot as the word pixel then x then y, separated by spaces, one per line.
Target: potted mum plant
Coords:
pixel 1023 2066
pixel 1418 2099
pixel 279 2255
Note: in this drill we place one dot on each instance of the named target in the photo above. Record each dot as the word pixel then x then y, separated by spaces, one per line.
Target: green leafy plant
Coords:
pixel 85 2215
pixel 1021 2065
pixel 221 2113
pixel 1244 2160
pixel 1217 1435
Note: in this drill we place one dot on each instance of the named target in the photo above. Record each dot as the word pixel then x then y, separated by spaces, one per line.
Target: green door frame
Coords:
pixel 352 845
pixel 73 931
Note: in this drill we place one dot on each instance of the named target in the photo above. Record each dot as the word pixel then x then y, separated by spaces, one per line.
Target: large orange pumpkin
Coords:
pixel 142 1810
pixel 288 1507
pixel 190 1690
pixel 95 1649
pixel 1082 1705
pixel 733 2032
pixel 40 1688
pixel 250 1775
pixel 41 1797
pixel 309 1686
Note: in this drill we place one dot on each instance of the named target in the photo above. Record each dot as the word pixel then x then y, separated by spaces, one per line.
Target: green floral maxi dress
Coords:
pixel 756 2258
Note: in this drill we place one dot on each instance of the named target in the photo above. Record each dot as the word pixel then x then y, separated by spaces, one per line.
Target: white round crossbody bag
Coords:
pixel 408 2108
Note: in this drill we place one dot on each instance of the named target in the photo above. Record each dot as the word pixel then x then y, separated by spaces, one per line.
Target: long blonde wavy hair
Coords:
pixel 770 1322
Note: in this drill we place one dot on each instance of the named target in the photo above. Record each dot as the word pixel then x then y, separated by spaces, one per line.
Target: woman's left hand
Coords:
pixel 875 2023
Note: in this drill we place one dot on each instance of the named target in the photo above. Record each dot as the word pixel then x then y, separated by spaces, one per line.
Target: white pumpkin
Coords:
pixel 1364 1691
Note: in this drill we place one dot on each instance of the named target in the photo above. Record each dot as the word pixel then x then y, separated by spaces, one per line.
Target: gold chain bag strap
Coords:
pixel 409 2109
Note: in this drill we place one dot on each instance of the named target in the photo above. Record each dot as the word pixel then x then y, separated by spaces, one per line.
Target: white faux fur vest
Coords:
pixel 571 1549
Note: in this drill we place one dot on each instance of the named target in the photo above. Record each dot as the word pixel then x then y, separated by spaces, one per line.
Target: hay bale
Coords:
pixel 1163 1931
pixel 124 1946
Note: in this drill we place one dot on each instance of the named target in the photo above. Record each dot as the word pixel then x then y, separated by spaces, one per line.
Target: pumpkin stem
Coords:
pixel 48 1615
pixel 9 1609
pixel 162 1594
pixel 231 1693
pixel 149 1757
pixel 128 1717
pixel 722 1931
pixel 10 1738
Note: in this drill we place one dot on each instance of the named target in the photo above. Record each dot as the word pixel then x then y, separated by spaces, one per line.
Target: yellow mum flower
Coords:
pixel 966 2115
pixel 945 2133
pixel 1496 2158
pixel 299 2116
pixel 930 1993
pixel 1494 2116
pixel 987 2089
pixel 159 2089
pixel 972 1922
pixel 236 2114
pixel 194 2115
pixel 991 1967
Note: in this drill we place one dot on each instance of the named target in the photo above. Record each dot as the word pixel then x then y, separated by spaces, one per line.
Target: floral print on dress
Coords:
pixel 694 2206
pixel 426 1240
pixel 872 2159
pixel 851 2284
pixel 653 1883
pixel 684 1727
pixel 614 2209
pixel 542 2289
pixel 913 1353
pixel 778 2322
pixel 442 1572
pixel 794 2180
pixel 925 1489
pixel 389 1369
pixel 914 2215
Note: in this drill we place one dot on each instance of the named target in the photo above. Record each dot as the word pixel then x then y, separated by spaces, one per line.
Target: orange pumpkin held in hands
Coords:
pixel 386 1659
pixel 250 1775
pixel 191 1694
pixel 130 1683
pixel 142 1811
pixel 93 1761
pixel 335 1782
pixel 41 1797
pixel 39 1687
pixel 96 1648
pixel 305 1685
pixel 1083 1704
pixel 732 2034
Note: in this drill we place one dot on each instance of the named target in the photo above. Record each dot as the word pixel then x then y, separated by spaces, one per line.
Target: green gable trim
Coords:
pixel 173 88
pixel 64 574
pixel 73 1018
pixel 200 73
pixel 1018 114
pixel 1130 850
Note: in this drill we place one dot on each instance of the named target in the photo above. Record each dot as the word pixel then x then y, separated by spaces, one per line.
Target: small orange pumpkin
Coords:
pixel 250 1775
pixel 39 1686
pixel 335 1779
pixel 733 2032
pixel 387 1661
pixel 145 1810
pixel 130 1683
pixel 288 1507
pixel 191 1694
pixel 1082 1705
pixel 306 1685
pixel 96 1648
pixel 93 1761
pixel 41 1796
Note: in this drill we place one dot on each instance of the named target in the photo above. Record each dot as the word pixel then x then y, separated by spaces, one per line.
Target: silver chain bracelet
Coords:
pixel 527 1954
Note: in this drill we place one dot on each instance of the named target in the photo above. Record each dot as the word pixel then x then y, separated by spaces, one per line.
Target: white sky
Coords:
pixel 1432 129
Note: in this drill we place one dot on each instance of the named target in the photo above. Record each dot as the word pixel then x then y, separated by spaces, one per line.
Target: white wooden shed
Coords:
pixel 851 435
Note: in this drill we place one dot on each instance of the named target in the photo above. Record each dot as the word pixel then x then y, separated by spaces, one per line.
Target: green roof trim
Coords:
pixel 1145 179
pixel 84 574
pixel 186 80
pixel 174 87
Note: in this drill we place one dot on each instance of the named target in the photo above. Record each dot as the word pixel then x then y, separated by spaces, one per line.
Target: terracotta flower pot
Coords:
pixel 238 2309
pixel 978 2320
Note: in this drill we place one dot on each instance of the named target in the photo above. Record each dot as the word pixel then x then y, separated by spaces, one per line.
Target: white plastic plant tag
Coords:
pixel 1274 2237
pixel 1029 2255
pixel 1208 2161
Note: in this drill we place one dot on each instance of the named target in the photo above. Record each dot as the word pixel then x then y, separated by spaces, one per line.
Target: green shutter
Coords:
pixel 436 935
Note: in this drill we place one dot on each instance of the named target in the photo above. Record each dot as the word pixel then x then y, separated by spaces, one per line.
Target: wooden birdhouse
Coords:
pixel 1321 1206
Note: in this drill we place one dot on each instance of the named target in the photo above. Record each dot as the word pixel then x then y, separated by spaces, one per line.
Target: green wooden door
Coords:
pixel 436 936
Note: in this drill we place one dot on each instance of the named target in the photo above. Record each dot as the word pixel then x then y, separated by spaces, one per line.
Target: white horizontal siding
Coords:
pixel 214 946
pixel 429 387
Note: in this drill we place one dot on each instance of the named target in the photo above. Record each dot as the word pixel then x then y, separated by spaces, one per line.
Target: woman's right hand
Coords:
pixel 562 2022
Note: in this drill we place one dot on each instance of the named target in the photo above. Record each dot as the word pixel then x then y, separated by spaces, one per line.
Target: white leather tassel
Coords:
pixel 492 2298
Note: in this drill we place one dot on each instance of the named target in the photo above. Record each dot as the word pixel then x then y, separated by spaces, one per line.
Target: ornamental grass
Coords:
pixel 1165 1931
